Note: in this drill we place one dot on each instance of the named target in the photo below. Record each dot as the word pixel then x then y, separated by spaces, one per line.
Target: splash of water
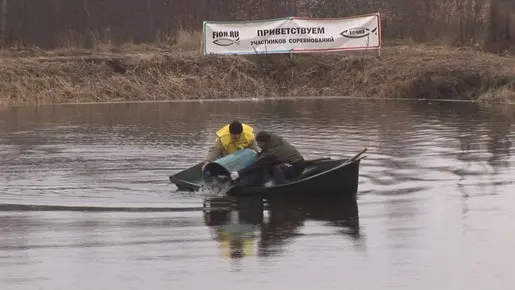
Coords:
pixel 217 188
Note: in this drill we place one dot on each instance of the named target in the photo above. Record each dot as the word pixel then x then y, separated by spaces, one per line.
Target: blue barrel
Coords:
pixel 233 162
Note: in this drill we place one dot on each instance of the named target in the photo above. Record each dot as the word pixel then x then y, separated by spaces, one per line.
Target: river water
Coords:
pixel 85 200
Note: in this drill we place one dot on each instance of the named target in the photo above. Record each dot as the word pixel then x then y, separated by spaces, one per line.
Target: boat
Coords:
pixel 322 176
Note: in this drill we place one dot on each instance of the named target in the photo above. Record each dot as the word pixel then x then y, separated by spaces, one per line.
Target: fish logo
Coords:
pixel 358 32
pixel 226 41
pixel 226 38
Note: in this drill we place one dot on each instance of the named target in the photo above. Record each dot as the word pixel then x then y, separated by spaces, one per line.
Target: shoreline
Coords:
pixel 145 74
pixel 251 99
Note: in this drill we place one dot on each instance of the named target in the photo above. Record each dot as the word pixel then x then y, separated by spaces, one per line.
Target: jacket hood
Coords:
pixel 274 142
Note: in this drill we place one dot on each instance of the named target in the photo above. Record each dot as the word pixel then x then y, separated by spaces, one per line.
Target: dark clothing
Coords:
pixel 286 171
pixel 278 153
pixel 283 151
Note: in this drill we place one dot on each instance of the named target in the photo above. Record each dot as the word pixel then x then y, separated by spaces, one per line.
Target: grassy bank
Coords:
pixel 149 72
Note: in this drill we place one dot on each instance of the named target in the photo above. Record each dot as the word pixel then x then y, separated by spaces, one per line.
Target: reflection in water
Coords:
pixel 237 221
pixel 234 224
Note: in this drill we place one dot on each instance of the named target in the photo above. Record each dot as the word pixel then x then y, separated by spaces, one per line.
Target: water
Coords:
pixel 86 202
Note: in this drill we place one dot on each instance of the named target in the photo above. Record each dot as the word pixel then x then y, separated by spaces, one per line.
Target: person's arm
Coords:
pixel 253 145
pixel 262 162
pixel 214 152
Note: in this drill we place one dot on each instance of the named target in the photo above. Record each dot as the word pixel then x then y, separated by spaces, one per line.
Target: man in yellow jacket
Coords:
pixel 230 139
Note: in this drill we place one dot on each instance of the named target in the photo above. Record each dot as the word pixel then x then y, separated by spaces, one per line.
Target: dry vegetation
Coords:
pixel 120 61
pixel 161 74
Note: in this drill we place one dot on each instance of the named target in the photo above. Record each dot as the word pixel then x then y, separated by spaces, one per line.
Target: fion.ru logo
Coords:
pixel 226 38
pixel 358 32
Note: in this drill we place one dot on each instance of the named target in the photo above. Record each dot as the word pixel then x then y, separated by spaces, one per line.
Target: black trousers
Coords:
pixel 279 170
pixel 284 171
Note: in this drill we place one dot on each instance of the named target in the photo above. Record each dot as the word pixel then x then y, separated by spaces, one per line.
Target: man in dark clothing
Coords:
pixel 282 159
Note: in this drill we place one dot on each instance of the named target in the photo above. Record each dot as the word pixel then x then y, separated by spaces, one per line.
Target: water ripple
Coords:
pixel 435 189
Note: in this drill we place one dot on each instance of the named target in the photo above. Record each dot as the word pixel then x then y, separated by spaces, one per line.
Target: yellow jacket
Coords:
pixel 224 145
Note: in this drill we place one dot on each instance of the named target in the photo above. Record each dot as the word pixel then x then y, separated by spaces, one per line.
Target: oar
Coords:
pixel 357 155
pixel 309 161
pixel 306 161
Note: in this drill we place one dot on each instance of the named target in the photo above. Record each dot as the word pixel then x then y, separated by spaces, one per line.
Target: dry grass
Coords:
pixel 188 40
pixel 153 72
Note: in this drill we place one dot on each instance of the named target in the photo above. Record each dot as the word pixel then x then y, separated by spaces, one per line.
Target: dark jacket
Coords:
pixel 276 151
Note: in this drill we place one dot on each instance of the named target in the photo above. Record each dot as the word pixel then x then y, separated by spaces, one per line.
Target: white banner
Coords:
pixel 292 35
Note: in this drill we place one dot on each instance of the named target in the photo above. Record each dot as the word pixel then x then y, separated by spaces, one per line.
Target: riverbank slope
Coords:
pixel 164 73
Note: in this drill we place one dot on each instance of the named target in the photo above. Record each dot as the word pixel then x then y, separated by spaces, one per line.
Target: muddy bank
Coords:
pixel 150 73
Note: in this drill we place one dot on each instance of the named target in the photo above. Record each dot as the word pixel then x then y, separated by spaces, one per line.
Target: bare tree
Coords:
pixel 501 34
pixel 47 22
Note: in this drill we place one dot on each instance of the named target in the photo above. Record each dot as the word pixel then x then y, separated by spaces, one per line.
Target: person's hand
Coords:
pixel 234 175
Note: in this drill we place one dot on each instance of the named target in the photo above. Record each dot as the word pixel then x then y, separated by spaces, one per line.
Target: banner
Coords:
pixel 292 35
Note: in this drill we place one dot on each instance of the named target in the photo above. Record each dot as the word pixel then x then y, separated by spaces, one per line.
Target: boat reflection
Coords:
pixel 256 227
